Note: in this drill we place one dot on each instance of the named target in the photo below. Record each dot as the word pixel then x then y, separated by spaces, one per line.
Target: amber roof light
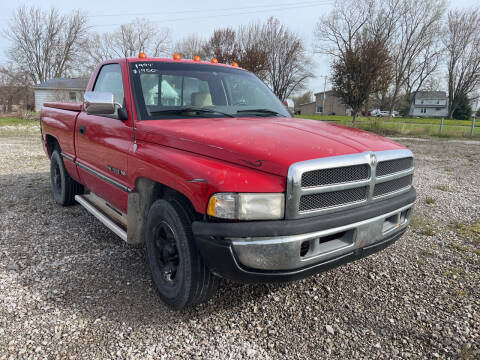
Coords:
pixel 142 55
pixel 176 57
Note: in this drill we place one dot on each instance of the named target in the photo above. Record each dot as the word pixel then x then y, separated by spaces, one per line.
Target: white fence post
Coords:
pixel 441 126
pixel 473 126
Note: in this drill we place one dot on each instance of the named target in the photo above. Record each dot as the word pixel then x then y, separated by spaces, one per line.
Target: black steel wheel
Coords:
pixel 64 188
pixel 178 272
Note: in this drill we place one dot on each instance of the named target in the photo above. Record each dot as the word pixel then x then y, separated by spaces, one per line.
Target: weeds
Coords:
pixel 430 200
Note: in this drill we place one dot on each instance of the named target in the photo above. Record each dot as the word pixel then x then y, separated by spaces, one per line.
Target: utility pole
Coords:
pixel 324 89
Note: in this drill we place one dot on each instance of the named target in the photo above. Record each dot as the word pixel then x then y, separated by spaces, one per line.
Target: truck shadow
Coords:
pixel 70 260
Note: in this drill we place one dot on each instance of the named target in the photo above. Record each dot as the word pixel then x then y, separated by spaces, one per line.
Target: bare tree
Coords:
pixel 222 45
pixel 190 46
pixel 462 44
pixel 363 71
pixel 288 66
pixel 15 86
pixel 45 43
pixel 414 46
pixel 128 40
pixel 252 51
pixel 410 29
pixel 302 98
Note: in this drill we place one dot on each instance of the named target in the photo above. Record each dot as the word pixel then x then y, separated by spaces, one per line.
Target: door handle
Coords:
pixel 81 130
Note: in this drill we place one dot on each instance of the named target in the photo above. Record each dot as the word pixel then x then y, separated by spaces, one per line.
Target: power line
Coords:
pixel 232 14
pixel 214 10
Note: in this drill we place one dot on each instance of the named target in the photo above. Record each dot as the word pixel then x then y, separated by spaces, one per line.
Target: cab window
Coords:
pixel 110 80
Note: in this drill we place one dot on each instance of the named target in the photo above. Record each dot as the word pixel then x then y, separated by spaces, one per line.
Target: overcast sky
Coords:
pixel 202 17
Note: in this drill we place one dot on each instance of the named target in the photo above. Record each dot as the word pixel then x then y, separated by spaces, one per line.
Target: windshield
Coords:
pixel 164 90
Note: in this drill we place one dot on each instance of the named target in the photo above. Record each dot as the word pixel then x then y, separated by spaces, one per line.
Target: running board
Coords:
pixel 106 220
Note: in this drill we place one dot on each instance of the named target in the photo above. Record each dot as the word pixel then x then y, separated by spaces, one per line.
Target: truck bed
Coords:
pixel 72 106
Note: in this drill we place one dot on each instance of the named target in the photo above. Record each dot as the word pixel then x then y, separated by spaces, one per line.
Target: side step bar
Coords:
pixel 107 221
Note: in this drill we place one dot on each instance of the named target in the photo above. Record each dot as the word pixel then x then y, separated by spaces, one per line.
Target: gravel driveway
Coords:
pixel 69 288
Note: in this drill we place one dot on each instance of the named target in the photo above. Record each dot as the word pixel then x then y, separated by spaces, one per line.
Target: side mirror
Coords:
pixel 99 103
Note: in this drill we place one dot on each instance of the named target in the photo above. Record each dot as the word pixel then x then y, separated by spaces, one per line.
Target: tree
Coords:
pixel 414 45
pixel 288 66
pixel 45 44
pixel 222 45
pixel 478 113
pixel 462 43
pixel 410 30
pixel 128 40
pixel 190 46
pixel 270 50
pixel 463 110
pixel 252 52
pixel 361 72
pixel 303 98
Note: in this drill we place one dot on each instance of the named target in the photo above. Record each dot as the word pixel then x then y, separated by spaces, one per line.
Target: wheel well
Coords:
pixel 139 203
pixel 52 144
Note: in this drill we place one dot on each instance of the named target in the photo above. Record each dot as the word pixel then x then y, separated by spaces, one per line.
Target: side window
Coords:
pixel 110 80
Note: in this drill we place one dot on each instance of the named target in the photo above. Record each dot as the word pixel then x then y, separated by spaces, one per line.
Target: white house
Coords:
pixel 429 104
pixel 60 89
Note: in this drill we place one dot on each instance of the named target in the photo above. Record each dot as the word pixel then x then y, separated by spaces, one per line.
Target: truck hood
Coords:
pixel 268 144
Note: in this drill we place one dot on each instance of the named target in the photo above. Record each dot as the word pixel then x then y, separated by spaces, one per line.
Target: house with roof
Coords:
pixel 429 104
pixel 326 103
pixel 60 89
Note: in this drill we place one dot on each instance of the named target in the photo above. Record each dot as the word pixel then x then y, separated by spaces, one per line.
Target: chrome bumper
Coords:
pixel 299 251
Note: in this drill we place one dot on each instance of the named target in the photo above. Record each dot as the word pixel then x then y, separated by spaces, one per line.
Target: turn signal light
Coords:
pixel 176 57
pixel 142 55
pixel 234 64
pixel 214 60
pixel 196 58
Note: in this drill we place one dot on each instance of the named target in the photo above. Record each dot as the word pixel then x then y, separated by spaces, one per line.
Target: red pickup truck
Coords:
pixel 202 163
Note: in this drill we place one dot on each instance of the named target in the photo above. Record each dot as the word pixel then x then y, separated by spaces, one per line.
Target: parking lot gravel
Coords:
pixel 69 288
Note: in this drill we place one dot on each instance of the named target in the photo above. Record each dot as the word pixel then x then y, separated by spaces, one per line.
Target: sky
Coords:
pixel 201 17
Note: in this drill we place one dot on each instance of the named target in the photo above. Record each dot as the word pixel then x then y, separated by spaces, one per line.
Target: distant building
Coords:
pixel 429 104
pixel 331 106
pixel 60 89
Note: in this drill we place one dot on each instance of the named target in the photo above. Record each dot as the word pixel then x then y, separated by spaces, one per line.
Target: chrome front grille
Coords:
pixel 340 182
pixel 391 186
pixel 333 198
pixel 335 175
pixel 393 166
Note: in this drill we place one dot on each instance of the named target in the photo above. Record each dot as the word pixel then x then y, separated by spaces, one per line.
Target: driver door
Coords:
pixel 103 143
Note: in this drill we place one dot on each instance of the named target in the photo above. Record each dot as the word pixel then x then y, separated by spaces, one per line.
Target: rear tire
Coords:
pixel 64 188
pixel 179 274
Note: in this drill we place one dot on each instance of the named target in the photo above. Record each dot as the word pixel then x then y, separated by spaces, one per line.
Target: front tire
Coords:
pixel 178 272
pixel 64 188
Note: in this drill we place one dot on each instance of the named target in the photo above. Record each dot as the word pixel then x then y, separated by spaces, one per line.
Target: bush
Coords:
pixel 463 111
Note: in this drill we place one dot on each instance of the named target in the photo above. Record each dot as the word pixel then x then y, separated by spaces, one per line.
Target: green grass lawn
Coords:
pixel 405 126
pixel 12 121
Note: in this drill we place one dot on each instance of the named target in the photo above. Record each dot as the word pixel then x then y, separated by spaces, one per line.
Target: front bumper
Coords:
pixel 260 253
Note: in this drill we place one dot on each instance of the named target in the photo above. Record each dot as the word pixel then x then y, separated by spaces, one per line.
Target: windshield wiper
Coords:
pixel 187 109
pixel 261 111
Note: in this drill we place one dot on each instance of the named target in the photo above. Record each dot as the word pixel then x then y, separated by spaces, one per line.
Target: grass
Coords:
pixel 420 224
pixel 430 200
pixel 467 231
pixel 404 126
pixel 442 187
pixel 453 272
pixel 12 121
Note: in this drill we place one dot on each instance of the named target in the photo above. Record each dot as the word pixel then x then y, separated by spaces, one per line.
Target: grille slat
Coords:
pixel 333 198
pixel 392 185
pixel 393 166
pixel 335 175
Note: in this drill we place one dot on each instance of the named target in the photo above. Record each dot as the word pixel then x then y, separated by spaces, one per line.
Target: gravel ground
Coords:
pixel 69 288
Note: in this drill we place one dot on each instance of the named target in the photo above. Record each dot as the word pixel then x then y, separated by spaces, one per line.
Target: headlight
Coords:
pixel 247 206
